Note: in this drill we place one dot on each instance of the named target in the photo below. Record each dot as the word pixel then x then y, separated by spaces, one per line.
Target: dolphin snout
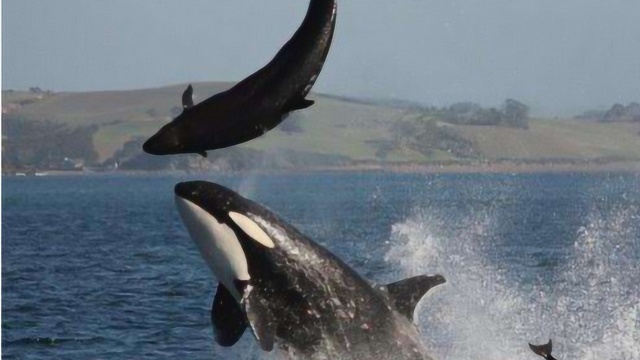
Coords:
pixel 162 143
pixel 438 279
pixel 150 147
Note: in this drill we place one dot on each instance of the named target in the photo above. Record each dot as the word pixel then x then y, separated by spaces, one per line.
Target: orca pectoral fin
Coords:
pixel 229 322
pixel 406 294
pixel 302 104
pixel 261 321
pixel 542 350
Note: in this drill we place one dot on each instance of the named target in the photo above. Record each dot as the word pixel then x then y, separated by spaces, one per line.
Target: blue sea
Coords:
pixel 101 267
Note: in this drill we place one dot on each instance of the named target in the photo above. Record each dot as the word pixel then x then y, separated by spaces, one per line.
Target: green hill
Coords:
pixel 559 140
pixel 334 128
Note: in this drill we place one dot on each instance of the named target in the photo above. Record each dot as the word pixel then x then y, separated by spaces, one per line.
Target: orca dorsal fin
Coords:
pixel 543 350
pixel 187 97
pixel 229 322
pixel 405 294
pixel 262 322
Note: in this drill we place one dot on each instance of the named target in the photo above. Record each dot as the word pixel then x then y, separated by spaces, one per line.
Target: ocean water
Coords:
pixel 100 267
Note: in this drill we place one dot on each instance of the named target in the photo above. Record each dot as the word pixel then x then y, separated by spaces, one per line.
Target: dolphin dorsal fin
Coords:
pixel 227 317
pixel 405 294
pixel 187 97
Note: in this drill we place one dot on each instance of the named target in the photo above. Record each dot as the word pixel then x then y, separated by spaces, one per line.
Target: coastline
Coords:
pixel 507 168
pixel 406 168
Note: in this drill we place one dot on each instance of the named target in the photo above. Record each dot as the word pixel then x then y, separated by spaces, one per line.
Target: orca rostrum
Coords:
pixel 258 103
pixel 291 292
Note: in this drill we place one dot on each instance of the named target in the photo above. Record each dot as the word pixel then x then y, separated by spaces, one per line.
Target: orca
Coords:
pixel 291 292
pixel 543 350
pixel 258 103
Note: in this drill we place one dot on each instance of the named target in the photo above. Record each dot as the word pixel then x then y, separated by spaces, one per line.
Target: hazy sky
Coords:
pixel 559 56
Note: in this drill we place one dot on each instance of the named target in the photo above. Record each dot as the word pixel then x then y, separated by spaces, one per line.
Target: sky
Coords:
pixel 558 56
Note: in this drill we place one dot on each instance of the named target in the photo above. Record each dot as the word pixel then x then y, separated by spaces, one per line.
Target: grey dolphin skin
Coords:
pixel 543 350
pixel 258 103
pixel 290 291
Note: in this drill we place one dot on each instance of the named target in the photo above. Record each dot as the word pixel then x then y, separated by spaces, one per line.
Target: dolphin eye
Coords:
pixel 252 229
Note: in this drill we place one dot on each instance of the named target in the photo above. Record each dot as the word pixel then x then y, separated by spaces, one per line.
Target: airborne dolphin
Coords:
pixel 289 290
pixel 258 103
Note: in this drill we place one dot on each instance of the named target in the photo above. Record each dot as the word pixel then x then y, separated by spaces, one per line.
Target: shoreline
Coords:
pixel 511 168
pixel 485 168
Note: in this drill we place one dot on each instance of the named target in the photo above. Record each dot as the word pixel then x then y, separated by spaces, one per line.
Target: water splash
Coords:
pixel 597 296
pixel 588 304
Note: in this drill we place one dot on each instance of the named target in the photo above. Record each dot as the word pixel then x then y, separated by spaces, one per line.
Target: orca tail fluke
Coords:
pixel 542 350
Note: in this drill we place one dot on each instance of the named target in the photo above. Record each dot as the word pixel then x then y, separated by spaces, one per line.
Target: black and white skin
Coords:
pixel 289 291
pixel 258 103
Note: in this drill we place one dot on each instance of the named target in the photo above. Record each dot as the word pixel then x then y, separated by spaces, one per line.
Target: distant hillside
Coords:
pixel 335 132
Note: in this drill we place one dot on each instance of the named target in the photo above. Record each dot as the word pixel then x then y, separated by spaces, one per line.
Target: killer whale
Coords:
pixel 290 291
pixel 543 350
pixel 258 103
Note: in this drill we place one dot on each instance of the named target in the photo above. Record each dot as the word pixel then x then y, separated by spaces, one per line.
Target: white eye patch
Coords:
pixel 252 229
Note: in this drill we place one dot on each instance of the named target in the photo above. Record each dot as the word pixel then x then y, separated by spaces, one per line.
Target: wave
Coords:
pixel 50 341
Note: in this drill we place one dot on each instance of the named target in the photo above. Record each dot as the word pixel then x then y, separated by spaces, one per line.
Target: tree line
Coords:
pixel 617 113
pixel 511 114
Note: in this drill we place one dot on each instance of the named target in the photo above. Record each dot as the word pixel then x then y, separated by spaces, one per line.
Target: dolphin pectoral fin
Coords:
pixel 302 104
pixel 305 104
pixel 229 322
pixel 187 97
pixel 542 350
pixel 203 154
pixel 261 321
pixel 406 294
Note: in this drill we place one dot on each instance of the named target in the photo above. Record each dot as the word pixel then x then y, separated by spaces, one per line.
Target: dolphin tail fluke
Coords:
pixel 542 350
pixel 406 294
pixel 229 322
